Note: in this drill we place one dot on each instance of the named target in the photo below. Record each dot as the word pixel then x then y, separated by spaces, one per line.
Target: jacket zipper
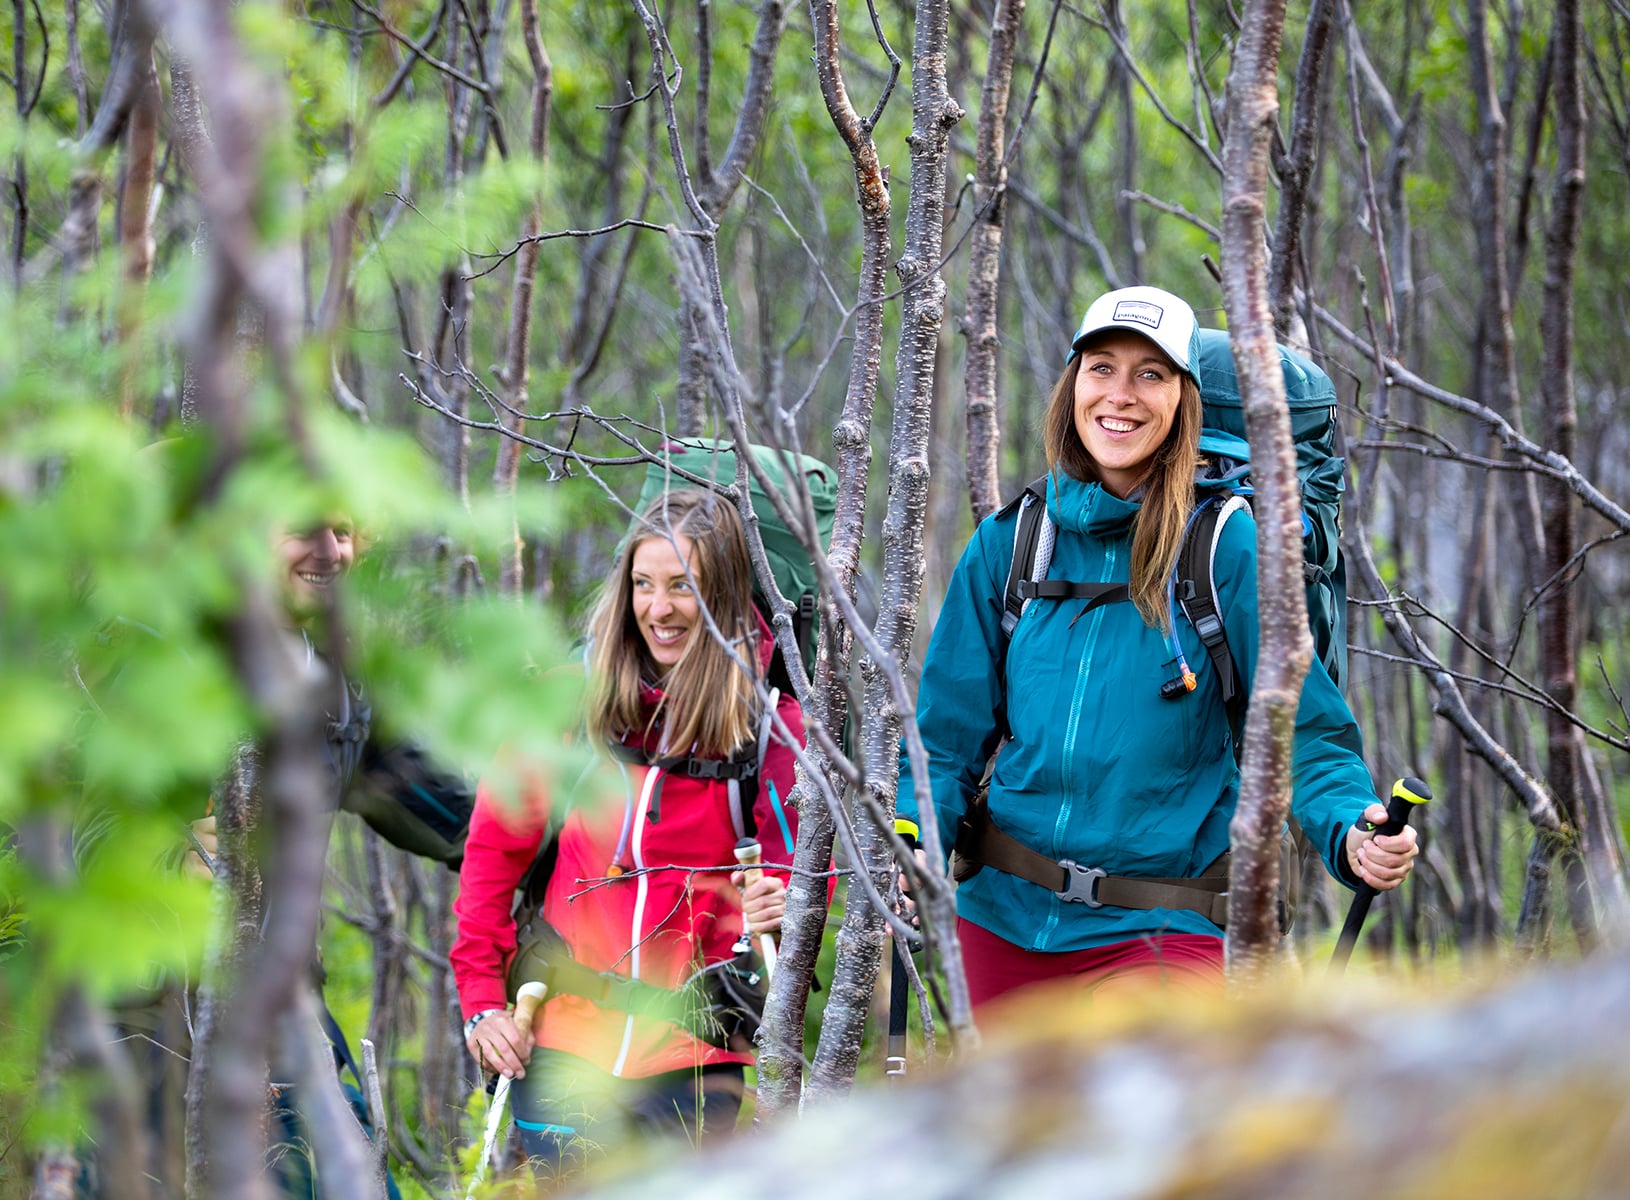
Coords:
pixel 641 887
pixel 1072 730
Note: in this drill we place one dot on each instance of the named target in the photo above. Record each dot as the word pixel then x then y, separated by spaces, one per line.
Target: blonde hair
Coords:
pixel 708 701
pixel 1168 486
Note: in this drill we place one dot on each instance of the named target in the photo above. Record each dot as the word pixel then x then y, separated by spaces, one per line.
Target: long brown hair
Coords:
pixel 1168 487
pixel 708 700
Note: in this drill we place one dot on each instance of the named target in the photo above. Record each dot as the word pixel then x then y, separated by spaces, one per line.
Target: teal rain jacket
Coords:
pixel 1101 769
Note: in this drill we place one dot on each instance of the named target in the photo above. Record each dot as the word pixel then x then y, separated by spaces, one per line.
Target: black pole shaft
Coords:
pixel 899 1001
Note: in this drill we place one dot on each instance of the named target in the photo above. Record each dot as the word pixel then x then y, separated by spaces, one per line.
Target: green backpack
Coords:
pixel 790 563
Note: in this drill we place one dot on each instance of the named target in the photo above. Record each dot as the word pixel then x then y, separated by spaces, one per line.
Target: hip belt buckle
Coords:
pixel 1080 884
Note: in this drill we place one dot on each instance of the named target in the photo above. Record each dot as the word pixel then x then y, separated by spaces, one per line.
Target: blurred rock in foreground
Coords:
pixel 1519 1092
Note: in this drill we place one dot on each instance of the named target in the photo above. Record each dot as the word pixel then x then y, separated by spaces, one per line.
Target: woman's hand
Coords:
pixel 498 1044
pixel 908 906
pixel 1382 861
pixel 203 837
pixel 763 902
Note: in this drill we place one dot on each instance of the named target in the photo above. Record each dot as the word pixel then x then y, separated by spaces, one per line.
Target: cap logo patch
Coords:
pixel 1140 311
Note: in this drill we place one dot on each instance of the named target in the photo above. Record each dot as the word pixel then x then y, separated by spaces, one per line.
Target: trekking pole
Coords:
pixel 527 1001
pixel 894 1065
pixel 1406 794
pixel 749 854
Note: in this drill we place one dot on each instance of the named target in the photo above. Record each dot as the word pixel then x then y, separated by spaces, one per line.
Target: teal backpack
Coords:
pixel 1224 487
pixel 790 563
pixel 1320 470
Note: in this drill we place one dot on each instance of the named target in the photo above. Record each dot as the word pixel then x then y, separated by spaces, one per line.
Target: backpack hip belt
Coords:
pixel 981 842
pixel 718 1010
pixel 606 990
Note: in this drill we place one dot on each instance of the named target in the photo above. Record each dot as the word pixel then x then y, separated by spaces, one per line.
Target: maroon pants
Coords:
pixel 995 967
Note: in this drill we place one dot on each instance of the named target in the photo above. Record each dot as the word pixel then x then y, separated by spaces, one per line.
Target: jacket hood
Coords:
pixel 1089 507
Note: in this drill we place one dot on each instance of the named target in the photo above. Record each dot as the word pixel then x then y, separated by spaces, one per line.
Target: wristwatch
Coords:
pixel 469 1026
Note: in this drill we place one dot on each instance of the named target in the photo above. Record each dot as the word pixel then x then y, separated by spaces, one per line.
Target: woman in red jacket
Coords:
pixel 639 888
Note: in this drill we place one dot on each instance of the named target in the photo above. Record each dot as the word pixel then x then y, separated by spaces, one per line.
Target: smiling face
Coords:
pixel 1126 396
pixel 313 563
pixel 664 597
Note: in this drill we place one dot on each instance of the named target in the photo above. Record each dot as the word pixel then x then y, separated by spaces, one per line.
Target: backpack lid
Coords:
pixel 1220 445
pixel 1306 384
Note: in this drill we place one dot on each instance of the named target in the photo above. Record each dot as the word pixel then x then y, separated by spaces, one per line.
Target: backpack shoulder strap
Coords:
pixel 744 789
pixel 1032 507
pixel 529 891
pixel 1197 590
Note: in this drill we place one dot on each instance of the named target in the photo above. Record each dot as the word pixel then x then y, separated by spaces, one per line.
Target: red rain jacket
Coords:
pixel 658 926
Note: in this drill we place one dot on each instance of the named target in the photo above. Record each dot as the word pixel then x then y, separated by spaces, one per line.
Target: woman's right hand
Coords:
pixel 498 1044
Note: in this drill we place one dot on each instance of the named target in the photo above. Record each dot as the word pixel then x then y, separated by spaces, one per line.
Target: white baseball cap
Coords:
pixel 1165 319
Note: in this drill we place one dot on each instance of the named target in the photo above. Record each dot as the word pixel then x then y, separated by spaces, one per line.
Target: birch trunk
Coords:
pixel 984 265
pixel 1489 204
pixel 1286 648
pixel 781 1045
pixel 860 940
pixel 1592 859
pixel 513 378
pixel 1297 171
pixel 714 188
pixel 781 1055
pixel 135 224
pixel 227 1092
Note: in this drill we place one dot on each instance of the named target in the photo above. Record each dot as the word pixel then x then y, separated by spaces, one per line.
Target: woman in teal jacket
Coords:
pixel 1107 769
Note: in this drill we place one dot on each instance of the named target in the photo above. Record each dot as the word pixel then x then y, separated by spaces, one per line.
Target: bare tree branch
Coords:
pixel 1507 435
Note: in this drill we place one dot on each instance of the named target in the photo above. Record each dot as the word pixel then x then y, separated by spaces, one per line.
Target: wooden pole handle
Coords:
pixel 527 1002
pixel 750 854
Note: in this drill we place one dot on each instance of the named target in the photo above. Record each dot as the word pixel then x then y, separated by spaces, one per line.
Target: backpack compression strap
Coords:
pixel 1065 589
pixel 1197 588
pixel 684 764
